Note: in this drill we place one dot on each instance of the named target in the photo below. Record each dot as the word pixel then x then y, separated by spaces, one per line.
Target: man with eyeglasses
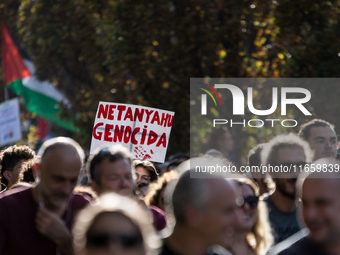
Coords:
pixel 284 152
pixel 321 137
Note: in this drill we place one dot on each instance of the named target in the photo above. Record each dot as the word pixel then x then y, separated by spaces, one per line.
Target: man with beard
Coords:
pixel 321 137
pixel 37 220
pixel 284 152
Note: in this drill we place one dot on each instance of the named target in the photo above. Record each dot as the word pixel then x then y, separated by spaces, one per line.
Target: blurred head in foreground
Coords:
pixel 116 225
pixel 204 214
pixel 319 190
pixel 320 195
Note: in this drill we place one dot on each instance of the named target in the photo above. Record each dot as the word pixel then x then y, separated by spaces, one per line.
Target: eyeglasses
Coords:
pixel 144 177
pixel 252 201
pixel 103 240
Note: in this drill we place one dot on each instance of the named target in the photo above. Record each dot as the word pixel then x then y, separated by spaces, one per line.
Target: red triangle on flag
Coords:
pixel 14 67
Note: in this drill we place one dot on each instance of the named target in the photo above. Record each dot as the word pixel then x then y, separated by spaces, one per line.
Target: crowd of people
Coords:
pixel 56 203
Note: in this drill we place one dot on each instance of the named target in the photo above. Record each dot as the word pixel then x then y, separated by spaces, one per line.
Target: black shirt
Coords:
pixel 304 246
pixel 283 224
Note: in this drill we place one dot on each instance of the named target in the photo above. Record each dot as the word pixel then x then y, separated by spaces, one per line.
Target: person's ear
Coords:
pixel 8 175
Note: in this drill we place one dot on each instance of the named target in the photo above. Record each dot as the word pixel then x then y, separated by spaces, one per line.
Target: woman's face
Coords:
pixel 143 180
pixel 114 233
pixel 250 212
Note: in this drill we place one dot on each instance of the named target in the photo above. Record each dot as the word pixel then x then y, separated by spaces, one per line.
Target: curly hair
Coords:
pixel 27 173
pixel 12 156
pixel 155 189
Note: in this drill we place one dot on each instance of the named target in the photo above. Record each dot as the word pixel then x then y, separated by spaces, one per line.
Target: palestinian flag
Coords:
pixel 40 97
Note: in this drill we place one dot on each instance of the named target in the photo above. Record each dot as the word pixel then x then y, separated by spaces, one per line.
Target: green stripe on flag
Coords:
pixel 41 105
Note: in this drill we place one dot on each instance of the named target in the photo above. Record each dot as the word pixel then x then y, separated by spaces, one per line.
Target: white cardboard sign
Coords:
pixel 143 130
pixel 10 131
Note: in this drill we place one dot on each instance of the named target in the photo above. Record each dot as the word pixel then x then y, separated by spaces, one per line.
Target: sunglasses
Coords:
pixel 103 240
pixel 252 201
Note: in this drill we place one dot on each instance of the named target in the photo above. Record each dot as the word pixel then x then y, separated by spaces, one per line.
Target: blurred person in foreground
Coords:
pixel 145 173
pixel 204 214
pixel 38 220
pixel 289 152
pixel 115 225
pixel 11 160
pixel 321 137
pixel 320 195
pixel 253 233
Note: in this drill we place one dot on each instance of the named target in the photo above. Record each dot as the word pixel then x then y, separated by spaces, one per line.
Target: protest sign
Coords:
pixel 9 122
pixel 143 130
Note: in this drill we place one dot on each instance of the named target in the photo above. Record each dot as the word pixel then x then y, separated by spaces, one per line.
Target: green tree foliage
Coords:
pixel 145 52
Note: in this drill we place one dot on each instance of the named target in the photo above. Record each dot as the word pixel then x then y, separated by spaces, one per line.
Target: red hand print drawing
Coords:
pixel 140 153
